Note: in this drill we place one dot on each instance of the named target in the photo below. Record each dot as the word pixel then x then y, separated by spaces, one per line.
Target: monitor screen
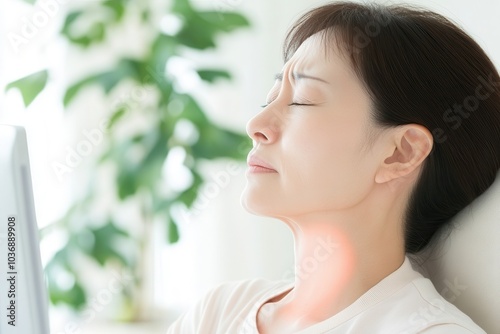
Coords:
pixel 23 291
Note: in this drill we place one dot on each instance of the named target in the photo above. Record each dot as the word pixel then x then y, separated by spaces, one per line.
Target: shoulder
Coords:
pixel 243 291
pixel 247 286
pixel 411 304
pixel 449 328
pixel 230 300
pixel 433 314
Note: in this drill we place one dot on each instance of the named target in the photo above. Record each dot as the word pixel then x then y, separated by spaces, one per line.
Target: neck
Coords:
pixel 332 271
pixel 335 264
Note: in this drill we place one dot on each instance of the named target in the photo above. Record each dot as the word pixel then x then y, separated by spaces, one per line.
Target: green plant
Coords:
pixel 137 159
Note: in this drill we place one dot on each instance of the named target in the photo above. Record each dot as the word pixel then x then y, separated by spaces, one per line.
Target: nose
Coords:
pixel 264 127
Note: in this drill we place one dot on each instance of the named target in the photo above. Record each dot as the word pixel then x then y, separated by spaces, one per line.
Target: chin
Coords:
pixel 246 203
pixel 255 204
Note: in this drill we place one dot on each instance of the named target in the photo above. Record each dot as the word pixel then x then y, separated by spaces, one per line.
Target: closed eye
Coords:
pixel 300 104
pixel 291 104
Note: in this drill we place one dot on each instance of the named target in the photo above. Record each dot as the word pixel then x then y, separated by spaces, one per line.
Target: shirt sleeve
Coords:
pixel 186 323
pixel 450 328
pixel 200 317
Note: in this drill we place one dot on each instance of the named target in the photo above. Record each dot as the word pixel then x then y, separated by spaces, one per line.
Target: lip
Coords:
pixel 257 165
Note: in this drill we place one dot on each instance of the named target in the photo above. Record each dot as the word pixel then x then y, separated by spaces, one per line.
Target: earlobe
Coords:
pixel 412 145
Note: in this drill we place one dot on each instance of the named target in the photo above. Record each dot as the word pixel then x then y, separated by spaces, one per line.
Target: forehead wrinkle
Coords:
pixel 284 86
pixel 308 59
pixel 288 71
pixel 298 76
pixel 297 69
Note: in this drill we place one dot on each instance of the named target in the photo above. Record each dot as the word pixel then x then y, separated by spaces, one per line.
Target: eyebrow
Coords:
pixel 298 76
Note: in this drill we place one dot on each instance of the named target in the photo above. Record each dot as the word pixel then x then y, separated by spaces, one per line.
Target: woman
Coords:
pixel 383 124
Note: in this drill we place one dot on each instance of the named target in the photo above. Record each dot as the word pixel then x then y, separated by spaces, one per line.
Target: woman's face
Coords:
pixel 312 134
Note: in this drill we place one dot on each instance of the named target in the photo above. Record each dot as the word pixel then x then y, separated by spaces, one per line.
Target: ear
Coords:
pixel 412 144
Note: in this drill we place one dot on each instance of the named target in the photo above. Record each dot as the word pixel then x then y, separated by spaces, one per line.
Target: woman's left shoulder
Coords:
pixel 438 315
pixel 451 328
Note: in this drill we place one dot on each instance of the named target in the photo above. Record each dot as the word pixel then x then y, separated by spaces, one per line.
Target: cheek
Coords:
pixel 325 165
pixel 318 143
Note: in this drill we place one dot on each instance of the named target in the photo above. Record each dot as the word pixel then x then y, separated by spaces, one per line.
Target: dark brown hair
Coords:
pixel 420 68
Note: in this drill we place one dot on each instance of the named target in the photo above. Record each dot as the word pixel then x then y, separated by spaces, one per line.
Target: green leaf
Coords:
pixel 61 263
pixel 30 86
pixel 145 16
pixel 115 117
pixel 104 247
pixel 188 196
pixel 160 204
pixel 193 112
pixel 126 68
pixel 126 182
pixel 117 7
pixel 31 2
pixel 74 89
pixel 162 49
pixel 117 151
pixel 213 75
pixel 225 21
pixel 68 21
pixel 75 296
pixel 181 7
pixel 94 34
pixel 149 170
pixel 200 28
pixel 215 142
pixel 172 231
pixel 197 35
pixel 144 174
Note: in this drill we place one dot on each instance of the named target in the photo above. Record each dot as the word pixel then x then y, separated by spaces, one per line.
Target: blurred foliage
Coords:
pixel 137 176
pixel 30 86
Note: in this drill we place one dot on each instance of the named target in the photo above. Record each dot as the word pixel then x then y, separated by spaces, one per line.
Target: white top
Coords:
pixel 404 302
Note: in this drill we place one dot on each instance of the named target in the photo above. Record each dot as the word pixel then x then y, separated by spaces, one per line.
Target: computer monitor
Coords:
pixel 23 292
